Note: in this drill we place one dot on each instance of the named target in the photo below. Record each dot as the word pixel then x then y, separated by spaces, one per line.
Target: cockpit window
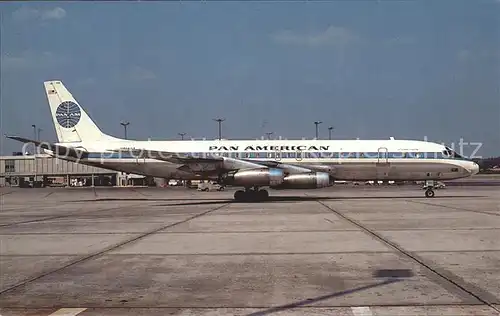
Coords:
pixel 448 152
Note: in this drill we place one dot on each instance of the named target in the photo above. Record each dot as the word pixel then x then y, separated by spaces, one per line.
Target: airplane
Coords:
pixel 250 164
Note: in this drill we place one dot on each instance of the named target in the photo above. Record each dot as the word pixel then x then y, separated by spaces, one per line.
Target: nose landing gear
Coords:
pixel 429 188
pixel 429 192
pixel 251 195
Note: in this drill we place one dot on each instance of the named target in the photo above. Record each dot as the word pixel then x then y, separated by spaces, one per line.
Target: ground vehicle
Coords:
pixel 437 185
pixel 209 186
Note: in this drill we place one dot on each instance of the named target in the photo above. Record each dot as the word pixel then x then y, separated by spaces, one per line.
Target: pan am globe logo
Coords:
pixel 68 114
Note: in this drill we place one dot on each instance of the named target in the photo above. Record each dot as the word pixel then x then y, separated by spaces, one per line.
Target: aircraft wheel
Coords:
pixel 239 195
pixel 429 193
pixel 263 194
pixel 251 196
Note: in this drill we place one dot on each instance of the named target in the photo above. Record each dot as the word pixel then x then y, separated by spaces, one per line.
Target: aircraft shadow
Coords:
pixel 322 298
pixel 271 199
pixel 285 199
pixel 152 199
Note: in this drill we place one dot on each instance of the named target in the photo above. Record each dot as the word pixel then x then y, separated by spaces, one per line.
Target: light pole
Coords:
pixel 330 132
pixel 38 137
pixel 34 131
pixel 219 120
pixel 181 135
pixel 34 138
pixel 317 123
pixel 269 135
pixel 34 155
pixel 125 124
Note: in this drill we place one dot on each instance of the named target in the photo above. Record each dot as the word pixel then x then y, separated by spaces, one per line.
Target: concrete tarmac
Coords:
pixel 356 251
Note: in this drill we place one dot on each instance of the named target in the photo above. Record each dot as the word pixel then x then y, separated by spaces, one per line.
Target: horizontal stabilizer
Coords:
pixel 58 150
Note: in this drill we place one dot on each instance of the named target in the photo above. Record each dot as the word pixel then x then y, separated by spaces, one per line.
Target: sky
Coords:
pixel 424 70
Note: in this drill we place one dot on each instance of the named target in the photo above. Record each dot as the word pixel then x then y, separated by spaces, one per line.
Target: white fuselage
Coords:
pixel 354 160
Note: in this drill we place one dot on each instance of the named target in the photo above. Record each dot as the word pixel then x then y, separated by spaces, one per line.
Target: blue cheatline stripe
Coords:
pixel 284 155
pixel 111 155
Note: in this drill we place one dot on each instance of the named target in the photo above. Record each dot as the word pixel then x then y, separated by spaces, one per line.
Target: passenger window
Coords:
pixel 454 169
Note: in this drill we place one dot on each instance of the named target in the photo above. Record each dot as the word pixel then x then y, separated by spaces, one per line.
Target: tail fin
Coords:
pixel 71 122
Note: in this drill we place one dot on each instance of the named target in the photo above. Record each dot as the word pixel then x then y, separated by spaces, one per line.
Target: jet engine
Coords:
pixel 254 177
pixel 313 180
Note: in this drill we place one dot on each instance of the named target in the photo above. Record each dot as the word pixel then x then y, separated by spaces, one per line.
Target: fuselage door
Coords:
pixel 383 155
pixel 298 155
pixel 277 155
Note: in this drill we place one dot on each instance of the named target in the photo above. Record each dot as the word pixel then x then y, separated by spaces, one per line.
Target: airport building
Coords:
pixel 43 170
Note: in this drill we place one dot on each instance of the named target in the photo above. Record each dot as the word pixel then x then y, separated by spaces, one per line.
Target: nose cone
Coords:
pixel 474 169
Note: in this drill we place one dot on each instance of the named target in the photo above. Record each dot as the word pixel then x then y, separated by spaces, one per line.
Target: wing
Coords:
pixel 187 163
pixel 217 163
pixel 58 150
pixel 294 168
pixel 210 164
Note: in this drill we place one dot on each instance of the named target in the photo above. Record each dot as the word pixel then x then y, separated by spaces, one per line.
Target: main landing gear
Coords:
pixel 251 195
